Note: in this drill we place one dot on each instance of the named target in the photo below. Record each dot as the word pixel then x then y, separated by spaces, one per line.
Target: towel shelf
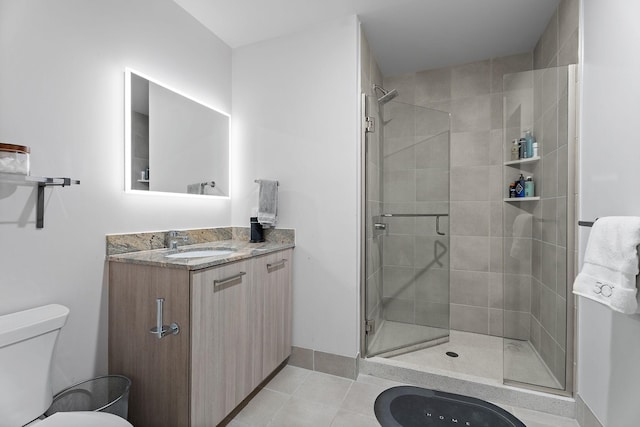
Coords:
pixel 41 182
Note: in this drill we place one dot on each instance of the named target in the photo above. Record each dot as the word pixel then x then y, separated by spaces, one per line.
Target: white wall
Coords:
pixel 62 93
pixel 609 343
pixel 295 119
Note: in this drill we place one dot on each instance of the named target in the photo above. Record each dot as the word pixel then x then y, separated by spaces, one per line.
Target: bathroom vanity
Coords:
pixel 231 318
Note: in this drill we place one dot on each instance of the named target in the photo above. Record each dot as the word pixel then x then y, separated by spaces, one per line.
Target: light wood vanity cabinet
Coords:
pixel 235 329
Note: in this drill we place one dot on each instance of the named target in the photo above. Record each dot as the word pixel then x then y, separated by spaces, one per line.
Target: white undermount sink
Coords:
pixel 202 253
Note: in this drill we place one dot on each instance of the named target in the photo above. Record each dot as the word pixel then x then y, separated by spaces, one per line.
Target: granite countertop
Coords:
pixel 242 249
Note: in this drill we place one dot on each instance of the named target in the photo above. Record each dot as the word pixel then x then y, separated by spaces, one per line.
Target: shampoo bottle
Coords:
pixel 514 150
pixel 529 187
pixel 529 142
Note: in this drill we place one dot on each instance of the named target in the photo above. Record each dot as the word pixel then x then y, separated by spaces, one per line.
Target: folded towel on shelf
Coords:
pixel 610 267
pixel 268 203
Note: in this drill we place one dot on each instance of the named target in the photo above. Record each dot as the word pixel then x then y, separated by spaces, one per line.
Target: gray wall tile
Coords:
pixel 496 322
pixel 398 282
pixel 516 325
pixel 470 79
pixel 470 288
pixel 471 114
pixel 470 253
pixel 470 319
pixel 433 85
pixel 432 285
pixel 469 218
pixel 432 314
pixel 517 292
pixel 470 183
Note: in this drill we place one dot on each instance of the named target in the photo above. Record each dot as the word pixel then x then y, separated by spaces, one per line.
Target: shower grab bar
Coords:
pixel 390 215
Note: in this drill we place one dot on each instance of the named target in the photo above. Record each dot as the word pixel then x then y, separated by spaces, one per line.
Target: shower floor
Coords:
pixel 479 355
pixel 396 335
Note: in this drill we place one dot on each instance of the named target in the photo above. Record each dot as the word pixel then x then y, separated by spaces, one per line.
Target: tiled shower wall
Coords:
pixel 473 94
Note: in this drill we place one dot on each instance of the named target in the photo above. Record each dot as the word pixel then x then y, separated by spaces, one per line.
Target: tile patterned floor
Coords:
pixel 297 397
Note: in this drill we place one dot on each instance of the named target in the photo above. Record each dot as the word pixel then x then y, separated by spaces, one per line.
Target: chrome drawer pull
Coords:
pixel 276 264
pixel 228 279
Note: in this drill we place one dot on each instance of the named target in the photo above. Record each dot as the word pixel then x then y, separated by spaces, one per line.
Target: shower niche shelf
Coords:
pixel 522 161
pixel 41 182
pixel 521 199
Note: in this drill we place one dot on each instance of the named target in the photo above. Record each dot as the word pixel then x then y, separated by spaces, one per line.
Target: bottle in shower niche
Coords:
pixel 520 182
pixel 522 143
pixel 515 150
pixel 529 140
pixel 529 187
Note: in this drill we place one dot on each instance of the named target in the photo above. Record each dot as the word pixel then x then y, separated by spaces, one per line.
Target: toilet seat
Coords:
pixel 82 419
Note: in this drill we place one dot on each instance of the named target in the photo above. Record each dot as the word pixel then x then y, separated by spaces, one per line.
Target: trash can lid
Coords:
pixel 83 419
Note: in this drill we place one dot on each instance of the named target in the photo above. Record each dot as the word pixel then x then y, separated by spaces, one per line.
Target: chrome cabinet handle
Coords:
pixel 229 279
pixel 161 330
pixel 276 264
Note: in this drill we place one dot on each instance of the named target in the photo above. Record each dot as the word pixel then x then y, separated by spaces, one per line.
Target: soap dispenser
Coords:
pixel 257 232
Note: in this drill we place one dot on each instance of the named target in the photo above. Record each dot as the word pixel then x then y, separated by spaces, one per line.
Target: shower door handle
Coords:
pixel 438 227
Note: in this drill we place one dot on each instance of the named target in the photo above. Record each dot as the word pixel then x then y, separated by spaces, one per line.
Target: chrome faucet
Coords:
pixel 171 239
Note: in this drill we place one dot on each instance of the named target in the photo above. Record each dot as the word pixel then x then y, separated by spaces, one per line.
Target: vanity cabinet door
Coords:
pixel 158 368
pixel 272 277
pixel 221 359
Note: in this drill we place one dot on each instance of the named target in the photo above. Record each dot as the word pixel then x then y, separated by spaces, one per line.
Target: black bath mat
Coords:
pixel 408 406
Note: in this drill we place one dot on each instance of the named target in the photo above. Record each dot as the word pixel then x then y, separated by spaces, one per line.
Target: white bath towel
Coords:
pixel 610 267
pixel 268 203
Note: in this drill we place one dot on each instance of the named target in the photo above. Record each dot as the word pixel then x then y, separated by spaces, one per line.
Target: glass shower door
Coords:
pixel 539 240
pixel 407 228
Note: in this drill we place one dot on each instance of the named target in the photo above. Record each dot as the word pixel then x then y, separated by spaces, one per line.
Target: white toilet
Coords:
pixel 27 339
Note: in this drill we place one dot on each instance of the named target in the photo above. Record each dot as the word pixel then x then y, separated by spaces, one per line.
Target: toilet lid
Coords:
pixel 83 419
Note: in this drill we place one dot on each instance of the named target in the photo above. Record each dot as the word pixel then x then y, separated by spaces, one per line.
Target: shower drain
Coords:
pixel 451 354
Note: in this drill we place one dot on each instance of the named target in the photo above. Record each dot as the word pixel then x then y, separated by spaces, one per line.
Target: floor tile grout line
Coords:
pixel 275 414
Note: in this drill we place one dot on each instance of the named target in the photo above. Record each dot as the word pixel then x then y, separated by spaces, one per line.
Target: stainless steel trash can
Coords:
pixel 109 393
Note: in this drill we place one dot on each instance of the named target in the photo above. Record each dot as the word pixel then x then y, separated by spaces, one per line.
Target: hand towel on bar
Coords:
pixel 610 266
pixel 268 203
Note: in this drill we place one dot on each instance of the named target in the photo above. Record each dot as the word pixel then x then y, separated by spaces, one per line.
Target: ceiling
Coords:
pixel 404 35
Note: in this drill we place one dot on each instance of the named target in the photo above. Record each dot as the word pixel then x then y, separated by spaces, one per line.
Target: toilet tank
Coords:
pixel 27 339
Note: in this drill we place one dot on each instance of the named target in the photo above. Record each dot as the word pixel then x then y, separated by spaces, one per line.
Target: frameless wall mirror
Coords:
pixel 173 144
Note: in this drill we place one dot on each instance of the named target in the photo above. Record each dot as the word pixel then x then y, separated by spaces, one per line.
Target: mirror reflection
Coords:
pixel 175 144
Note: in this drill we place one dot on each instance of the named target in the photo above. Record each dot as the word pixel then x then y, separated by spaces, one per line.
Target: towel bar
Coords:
pixel 587 223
